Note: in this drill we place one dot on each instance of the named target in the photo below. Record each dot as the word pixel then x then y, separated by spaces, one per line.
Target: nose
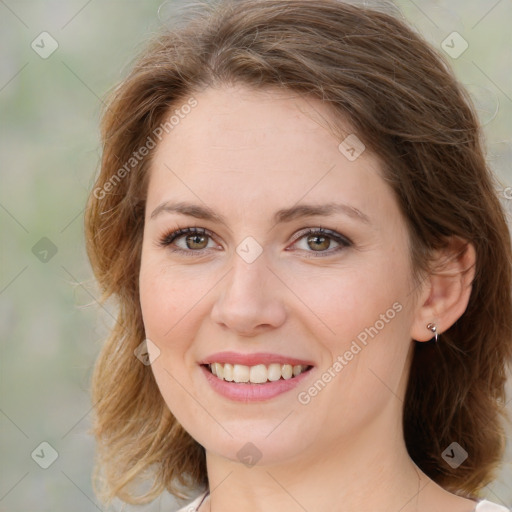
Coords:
pixel 250 299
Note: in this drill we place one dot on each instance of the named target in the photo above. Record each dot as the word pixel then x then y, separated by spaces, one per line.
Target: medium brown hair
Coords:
pixel 404 103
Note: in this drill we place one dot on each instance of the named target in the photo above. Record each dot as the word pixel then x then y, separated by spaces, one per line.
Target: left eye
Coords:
pixel 196 239
pixel 319 240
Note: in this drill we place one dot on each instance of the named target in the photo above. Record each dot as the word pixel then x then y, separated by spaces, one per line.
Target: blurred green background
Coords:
pixel 51 327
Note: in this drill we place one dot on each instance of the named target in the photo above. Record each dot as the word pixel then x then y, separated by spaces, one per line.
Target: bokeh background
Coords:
pixel 58 60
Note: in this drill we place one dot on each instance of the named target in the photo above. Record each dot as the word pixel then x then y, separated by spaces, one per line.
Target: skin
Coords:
pixel 246 154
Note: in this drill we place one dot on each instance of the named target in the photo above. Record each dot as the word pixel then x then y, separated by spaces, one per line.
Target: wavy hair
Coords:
pixel 403 100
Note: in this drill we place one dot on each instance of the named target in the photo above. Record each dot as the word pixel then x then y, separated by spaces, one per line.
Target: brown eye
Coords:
pixel 318 242
pixel 196 241
pixel 187 240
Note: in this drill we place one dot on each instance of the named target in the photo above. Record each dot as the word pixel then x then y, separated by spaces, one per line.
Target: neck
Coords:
pixel 367 472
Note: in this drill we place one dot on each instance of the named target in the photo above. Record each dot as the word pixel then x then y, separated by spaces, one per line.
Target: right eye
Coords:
pixel 194 240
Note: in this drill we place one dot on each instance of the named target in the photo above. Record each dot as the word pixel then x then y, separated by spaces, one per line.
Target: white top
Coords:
pixel 482 506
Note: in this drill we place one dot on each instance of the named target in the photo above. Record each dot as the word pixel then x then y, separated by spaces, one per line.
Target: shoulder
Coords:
pixel 483 506
pixel 193 505
pixel 489 506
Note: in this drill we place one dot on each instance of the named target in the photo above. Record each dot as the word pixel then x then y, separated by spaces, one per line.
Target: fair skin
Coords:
pixel 246 154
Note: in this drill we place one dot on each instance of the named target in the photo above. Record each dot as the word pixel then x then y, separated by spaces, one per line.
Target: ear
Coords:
pixel 446 290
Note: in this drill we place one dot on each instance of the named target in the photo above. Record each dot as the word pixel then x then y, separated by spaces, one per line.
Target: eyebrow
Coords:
pixel 281 216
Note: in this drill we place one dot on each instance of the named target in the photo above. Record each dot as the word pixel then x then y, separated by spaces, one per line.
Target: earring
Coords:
pixel 433 328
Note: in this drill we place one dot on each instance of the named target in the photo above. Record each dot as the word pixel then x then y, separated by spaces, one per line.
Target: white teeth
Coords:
pixel 287 371
pixel 219 370
pixel 257 374
pixel 228 371
pixel 274 372
pixel 240 373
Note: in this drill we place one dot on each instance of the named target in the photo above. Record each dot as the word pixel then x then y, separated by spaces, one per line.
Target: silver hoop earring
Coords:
pixel 433 328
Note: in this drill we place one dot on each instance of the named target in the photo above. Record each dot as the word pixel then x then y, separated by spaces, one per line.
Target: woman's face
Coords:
pixel 254 291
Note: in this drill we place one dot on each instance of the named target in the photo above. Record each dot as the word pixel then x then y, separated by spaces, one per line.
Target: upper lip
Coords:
pixel 254 359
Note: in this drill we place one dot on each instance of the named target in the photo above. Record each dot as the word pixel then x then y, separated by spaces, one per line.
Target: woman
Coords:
pixel 312 267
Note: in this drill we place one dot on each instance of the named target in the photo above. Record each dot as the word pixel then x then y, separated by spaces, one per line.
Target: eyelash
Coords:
pixel 168 238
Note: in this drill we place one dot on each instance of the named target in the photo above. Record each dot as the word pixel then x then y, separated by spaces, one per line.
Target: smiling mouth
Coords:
pixel 258 374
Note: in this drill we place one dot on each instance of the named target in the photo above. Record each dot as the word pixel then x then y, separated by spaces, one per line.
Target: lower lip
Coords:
pixel 247 392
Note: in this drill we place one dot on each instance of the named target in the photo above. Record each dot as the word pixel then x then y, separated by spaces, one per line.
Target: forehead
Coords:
pixel 236 119
pixel 261 147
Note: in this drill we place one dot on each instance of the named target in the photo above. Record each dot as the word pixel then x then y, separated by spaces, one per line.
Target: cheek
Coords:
pixel 362 318
pixel 164 306
pixel 338 304
pixel 158 302
pixel 173 301
pixel 168 296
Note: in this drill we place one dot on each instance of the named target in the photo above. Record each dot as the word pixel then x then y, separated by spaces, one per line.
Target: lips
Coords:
pixel 258 376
